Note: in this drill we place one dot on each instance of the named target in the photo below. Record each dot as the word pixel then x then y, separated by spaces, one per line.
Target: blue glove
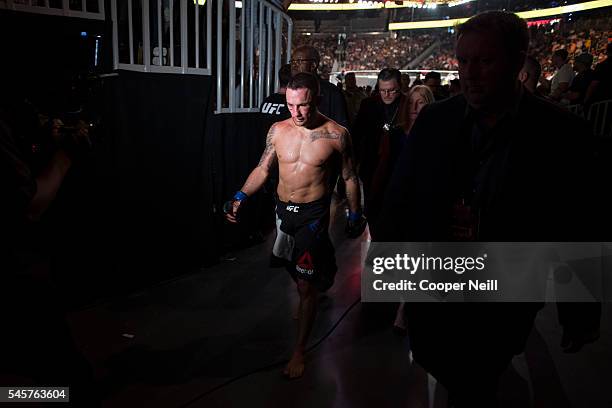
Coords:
pixel 355 224
pixel 228 206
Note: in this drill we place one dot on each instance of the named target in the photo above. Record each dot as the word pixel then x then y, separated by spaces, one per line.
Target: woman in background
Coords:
pixel 418 97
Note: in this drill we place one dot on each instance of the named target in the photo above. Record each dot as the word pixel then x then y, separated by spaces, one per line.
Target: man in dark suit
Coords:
pixel 379 135
pixel 493 164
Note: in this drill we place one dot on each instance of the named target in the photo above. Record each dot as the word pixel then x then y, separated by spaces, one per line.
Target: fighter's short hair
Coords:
pixel 305 80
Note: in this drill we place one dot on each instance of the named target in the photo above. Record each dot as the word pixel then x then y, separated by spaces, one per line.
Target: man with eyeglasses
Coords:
pixel 378 131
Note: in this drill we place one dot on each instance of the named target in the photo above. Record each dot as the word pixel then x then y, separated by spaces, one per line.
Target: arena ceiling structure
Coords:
pixel 348 5
pixel 428 14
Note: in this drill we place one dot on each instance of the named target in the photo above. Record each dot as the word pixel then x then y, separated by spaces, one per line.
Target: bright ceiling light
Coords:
pixel 555 11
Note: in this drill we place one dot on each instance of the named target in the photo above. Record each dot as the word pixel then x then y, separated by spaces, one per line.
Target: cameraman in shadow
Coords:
pixel 35 157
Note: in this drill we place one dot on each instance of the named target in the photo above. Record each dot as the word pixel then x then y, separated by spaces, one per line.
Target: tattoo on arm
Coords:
pixel 348 172
pixel 349 196
pixel 266 159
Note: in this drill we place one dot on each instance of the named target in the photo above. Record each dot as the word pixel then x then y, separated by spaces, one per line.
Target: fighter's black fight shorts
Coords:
pixel 302 239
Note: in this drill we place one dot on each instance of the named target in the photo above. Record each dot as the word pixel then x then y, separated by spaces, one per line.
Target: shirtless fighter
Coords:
pixel 305 146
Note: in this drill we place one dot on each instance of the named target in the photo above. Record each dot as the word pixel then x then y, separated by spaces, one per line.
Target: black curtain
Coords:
pixel 154 196
pixel 235 142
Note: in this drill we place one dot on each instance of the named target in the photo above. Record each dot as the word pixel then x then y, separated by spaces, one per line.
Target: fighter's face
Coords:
pixel 486 72
pixel 300 103
pixel 389 91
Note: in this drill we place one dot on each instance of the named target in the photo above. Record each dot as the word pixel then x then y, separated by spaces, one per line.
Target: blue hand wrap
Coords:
pixel 239 196
pixel 354 216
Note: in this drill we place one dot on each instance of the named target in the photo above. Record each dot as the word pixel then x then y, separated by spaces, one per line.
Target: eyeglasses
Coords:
pixel 299 61
pixel 389 91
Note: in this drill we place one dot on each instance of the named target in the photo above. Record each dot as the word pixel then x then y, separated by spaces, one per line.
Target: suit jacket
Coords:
pixel 376 162
pixel 332 103
pixel 537 185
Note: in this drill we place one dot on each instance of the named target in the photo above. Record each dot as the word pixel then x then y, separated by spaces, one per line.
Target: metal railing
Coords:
pixel 70 8
pixel 600 117
pixel 264 41
pixel 369 77
pixel 154 36
pixel 242 43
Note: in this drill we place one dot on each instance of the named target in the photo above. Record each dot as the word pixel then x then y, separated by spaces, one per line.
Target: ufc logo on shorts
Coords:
pixel 293 208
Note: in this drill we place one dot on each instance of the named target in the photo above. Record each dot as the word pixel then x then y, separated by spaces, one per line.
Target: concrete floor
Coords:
pixel 218 338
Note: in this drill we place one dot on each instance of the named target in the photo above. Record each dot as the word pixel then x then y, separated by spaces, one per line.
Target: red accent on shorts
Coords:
pixel 305 261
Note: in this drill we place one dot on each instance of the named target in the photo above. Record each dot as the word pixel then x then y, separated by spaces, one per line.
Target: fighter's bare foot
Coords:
pixel 295 367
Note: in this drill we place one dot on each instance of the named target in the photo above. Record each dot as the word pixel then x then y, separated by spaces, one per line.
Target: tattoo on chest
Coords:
pixel 323 134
